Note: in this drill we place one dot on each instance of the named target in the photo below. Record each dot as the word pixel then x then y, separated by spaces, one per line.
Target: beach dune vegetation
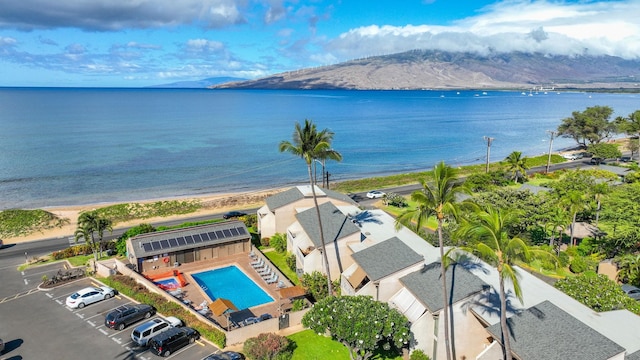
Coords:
pixel 131 211
pixel 16 222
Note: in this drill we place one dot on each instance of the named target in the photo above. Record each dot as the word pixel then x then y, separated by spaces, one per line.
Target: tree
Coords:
pixel 631 126
pixel 93 222
pixel 597 292
pixel 84 232
pixel 629 269
pixel 323 156
pixel 359 323
pixel 437 196
pixel 575 201
pixel 588 127
pixel 599 191
pixel 309 143
pixel 604 151
pixel 517 165
pixel 497 247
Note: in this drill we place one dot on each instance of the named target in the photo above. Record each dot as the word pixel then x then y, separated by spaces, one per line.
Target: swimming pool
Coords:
pixel 232 284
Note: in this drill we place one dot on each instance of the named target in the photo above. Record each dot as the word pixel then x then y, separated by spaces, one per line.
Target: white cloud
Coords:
pixel 609 27
pixel 203 46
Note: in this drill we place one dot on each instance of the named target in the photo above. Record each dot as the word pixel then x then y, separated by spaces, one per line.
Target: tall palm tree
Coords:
pixel 497 247
pixel 325 155
pixel 574 201
pixel 517 165
pixel 437 196
pixel 92 222
pixel 83 232
pixel 599 191
pixel 308 143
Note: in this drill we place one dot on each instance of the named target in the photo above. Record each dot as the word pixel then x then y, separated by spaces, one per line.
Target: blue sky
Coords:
pixel 131 43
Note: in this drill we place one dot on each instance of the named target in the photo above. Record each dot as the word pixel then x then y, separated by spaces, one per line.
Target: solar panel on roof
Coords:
pixel 146 246
pixel 205 237
pixel 212 235
pixel 164 244
pixel 189 239
pixel 227 233
pixel 234 232
pixel 173 242
pixel 197 238
pixel 181 241
pixel 219 234
pixel 155 245
pixel 241 230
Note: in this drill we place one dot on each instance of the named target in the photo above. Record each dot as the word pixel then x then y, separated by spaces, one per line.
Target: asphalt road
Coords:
pixel 17 253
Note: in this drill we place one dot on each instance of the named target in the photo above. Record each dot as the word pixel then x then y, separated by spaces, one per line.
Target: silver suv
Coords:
pixel 142 333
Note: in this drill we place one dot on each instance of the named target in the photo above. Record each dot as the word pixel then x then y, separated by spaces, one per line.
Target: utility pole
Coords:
pixel 552 134
pixel 489 140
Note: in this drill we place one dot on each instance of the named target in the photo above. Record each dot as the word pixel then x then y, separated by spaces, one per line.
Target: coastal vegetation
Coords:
pixel 17 222
pixel 135 211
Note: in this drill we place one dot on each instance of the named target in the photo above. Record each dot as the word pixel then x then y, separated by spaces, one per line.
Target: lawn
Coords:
pixel 310 346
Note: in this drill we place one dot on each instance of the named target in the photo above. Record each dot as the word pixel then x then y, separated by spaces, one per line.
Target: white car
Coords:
pixel 89 295
pixel 375 194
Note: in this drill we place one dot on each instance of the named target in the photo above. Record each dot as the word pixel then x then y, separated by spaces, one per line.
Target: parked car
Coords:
pixel 227 355
pixel 172 340
pixel 632 291
pixel 375 194
pixel 596 161
pixel 233 214
pixel 1 346
pixel 143 333
pixel 126 315
pixel 256 319
pixel 89 295
pixel 625 158
pixel 574 156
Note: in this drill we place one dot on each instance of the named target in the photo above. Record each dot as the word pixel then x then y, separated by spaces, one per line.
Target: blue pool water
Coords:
pixel 170 282
pixel 232 284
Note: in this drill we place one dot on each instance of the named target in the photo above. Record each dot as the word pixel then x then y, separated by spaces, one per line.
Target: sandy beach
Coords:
pixel 211 204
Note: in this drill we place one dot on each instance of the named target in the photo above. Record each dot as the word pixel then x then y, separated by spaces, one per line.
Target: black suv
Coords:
pixel 173 339
pixel 126 315
pixel 233 214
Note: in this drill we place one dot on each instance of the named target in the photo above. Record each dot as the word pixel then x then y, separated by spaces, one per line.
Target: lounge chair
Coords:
pixel 266 270
pixel 267 275
pixel 258 263
pixel 273 279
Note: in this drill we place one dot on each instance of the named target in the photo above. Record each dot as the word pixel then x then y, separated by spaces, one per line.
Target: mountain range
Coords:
pixel 197 84
pixel 430 69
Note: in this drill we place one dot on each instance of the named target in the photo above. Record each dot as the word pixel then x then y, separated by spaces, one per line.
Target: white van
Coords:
pixel 141 334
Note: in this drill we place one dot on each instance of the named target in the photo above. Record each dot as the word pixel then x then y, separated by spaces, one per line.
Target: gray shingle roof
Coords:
pixel 335 225
pixel 385 258
pixel 281 199
pixel 426 285
pixel 546 332
pixel 294 194
pixel 634 356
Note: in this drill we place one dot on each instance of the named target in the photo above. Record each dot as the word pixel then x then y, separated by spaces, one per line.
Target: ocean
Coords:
pixel 74 146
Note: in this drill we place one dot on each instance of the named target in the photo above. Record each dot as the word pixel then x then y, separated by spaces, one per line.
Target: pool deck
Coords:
pixel 194 296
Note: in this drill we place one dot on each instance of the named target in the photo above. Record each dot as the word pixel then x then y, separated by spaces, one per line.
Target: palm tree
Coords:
pixel 517 165
pixel 599 191
pixel 629 269
pixel 83 232
pixel 498 248
pixel 92 222
pixel 437 196
pixel 575 202
pixel 557 219
pixel 309 143
pixel 329 154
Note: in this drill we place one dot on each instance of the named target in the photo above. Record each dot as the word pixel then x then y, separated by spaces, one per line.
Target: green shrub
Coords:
pixel 396 200
pixel 268 346
pixel 265 241
pixel 291 261
pixel 418 355
pixel 597 292
pixel 563 259
pixel 298 304
pixel 16 222
pixel 578 265
pixel 279 242
pixel 250 220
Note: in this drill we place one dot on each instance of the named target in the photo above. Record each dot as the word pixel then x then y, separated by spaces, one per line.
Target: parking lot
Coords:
pixel 36 324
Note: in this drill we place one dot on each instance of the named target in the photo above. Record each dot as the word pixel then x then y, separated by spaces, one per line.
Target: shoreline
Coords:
pixel 211 204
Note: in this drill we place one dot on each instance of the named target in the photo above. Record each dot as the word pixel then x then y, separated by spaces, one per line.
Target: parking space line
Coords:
pixel 49 295
pixel 91 323
pixel 103 331
pixel 26 282
pixel 117 340
pixel 81 316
